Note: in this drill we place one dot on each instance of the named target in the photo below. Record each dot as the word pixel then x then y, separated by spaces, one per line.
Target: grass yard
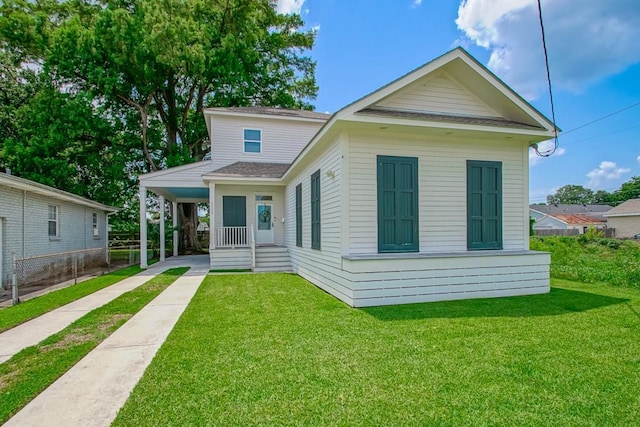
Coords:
pixel 13 316
pixel 32 370
pixel 273 349
pixel 590 259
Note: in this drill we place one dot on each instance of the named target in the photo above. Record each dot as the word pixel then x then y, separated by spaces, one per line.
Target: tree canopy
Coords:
pixel 98 91
pixel 572 195
pixel 577 194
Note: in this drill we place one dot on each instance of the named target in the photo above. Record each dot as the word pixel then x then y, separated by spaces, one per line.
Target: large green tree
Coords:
pixel 148 68
pixel 572 195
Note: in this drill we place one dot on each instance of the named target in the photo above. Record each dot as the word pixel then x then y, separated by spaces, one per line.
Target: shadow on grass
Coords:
pixel 558 301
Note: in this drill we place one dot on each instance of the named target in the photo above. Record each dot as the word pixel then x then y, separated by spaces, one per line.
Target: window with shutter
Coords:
pixel 484 205
pixel 397 204
pixel 315 210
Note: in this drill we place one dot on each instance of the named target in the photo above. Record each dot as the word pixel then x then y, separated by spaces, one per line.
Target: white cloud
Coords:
pixel 606 171
pixel 638 159
pixel 416 3
pixel 315 28
pixel 289 6
pixel 543 147
pixel 586 41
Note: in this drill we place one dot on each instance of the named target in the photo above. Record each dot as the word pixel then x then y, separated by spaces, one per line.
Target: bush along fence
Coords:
pixel 31 274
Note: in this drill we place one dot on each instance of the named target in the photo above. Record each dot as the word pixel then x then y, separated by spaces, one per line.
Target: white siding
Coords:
pixel 250 193
pixel 442 189
pixel 323 267
pixel 440 94
pixel 399 280
pixel 549 223
pixel 185 176
pixel 29 237
pixel 282 139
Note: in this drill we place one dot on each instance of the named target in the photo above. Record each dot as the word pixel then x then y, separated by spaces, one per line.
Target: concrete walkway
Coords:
pixel 92 392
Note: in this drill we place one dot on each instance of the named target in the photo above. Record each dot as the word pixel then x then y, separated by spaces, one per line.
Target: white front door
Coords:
pixel 264 219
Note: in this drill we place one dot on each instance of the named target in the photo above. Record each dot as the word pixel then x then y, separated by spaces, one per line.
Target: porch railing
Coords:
pixel 232 237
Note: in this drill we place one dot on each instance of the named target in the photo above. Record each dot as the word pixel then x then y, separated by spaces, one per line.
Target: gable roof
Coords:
pixel 46 191
pixel 270 111
pixel 514 114
pixel 629 208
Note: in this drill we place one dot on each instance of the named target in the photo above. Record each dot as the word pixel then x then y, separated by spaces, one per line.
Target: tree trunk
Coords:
pixel 188 220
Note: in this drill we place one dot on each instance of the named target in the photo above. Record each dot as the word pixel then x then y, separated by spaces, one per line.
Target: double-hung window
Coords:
pixel 484 205
pixel 252 141
pixel 94 221
pixel 54 223
pixel 397 204
pixel 315 210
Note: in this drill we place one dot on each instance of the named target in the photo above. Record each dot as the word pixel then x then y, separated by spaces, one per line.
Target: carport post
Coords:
pixel 143 227
pixel 162 236
pixel 174 223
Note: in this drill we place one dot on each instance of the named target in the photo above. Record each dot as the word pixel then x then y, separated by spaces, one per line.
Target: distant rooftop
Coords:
pixel 570 209
pixel 577 218
pixel 630 207
pixel 272 111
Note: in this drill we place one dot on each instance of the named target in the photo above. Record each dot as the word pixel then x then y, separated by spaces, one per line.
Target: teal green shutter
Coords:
pixel 397 204
pixel 299 215
pixel 234 211
pixel 315 210
pixel 484 205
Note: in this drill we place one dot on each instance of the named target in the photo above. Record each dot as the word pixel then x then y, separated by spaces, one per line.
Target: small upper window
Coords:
pixel 54 227
pixel 252 141
pixel 96 232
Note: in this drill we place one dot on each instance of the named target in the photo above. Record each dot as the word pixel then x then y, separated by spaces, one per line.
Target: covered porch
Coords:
pixel 246 214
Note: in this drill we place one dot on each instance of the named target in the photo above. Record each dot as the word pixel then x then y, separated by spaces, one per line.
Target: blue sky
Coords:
pixel 594 57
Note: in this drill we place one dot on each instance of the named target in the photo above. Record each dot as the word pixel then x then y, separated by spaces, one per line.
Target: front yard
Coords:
pixel 273 349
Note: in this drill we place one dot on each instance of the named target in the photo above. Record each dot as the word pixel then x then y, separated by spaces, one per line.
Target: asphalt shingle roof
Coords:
pixel 630 207
pixel 270 111
pixel 253 170
pixel 570 209
pixel 445 118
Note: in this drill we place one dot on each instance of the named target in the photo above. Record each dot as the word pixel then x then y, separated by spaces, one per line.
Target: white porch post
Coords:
pixel 212 216
pixel 174 223
pixel 143 227
pixel 162 231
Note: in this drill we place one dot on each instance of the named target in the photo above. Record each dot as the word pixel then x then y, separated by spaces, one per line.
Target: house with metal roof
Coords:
pixel 38 220
pixel 625 218
pixel 416 192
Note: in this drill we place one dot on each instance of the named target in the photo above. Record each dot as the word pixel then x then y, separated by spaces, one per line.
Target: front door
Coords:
pixel 264 232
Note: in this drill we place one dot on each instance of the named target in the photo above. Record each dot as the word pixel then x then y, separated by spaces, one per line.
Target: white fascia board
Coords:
pixel 235 180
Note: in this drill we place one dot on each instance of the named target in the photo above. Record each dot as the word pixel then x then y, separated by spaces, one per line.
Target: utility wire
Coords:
pixel 549 152
pixel 601 118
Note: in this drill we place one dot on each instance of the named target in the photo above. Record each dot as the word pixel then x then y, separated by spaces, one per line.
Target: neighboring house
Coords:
pixel 594 211
pixel 578 222
pixel 416 192
pixel 39 220
pixel 625 218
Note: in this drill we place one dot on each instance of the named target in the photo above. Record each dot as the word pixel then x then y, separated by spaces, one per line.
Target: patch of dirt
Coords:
pixel 7 379
pixel 113 320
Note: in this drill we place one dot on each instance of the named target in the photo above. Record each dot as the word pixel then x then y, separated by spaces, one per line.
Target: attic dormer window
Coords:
pixel 252 141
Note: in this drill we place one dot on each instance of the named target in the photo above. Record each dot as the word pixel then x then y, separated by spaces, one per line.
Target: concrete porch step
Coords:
pixel 272 258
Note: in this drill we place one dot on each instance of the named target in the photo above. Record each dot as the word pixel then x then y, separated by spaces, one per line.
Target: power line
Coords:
pixel 547 153
pixel 601 135
pixel 601 118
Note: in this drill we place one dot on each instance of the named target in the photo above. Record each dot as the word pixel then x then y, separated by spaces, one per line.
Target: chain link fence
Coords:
pixel 33 274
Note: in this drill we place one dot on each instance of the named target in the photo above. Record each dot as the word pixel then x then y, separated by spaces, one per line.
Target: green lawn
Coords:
pixel 13 316
pixel 32 370
pixel 273 349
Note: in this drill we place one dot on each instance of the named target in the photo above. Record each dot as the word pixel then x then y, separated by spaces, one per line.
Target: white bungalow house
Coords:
pixel 625 218
pixel 416 192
